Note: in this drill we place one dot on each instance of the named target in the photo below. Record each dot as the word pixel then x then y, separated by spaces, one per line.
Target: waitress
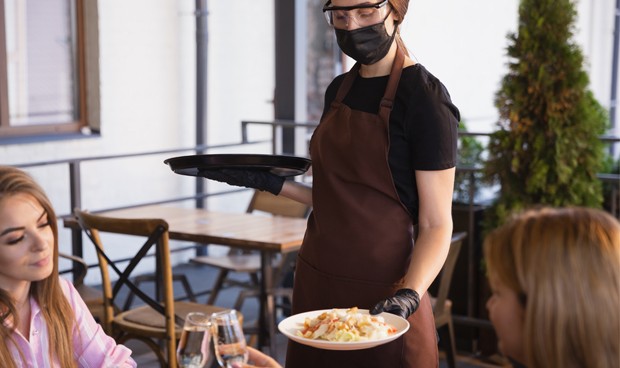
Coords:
pixel 383 163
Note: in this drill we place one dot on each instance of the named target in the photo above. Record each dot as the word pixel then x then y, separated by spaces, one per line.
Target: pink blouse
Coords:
pixel 91 346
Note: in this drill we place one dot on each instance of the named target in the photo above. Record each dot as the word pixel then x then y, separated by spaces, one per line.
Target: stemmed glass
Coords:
pixel 228 339
pixel 193 349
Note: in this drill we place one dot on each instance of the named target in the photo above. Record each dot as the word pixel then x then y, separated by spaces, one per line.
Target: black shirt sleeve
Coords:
pixel 431 123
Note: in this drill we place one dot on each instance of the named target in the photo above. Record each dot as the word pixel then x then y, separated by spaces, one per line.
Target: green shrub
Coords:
pixel 546 150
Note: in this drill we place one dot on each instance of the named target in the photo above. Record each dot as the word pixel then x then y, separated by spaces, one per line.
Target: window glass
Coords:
pixel 40 61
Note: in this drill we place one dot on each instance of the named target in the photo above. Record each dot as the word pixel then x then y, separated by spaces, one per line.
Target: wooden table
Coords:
pixel 267 234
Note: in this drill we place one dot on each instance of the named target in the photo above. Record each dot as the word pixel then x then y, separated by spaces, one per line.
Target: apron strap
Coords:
pixel 387 102
pixel 347 83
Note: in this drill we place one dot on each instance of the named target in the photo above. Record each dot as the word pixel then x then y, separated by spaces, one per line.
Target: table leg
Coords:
pixel 266 321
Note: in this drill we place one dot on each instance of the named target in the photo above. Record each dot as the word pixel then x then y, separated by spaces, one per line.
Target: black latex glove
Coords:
pixel 403 303
pixel 261 180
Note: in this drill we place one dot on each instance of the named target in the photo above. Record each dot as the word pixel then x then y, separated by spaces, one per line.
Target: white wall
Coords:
pixel 463 43
pixel 241 80
pixel 147 64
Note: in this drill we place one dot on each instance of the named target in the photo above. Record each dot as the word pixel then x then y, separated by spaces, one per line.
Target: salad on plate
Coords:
pixel 346 325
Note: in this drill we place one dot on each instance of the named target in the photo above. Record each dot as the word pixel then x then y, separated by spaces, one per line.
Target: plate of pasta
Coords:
pixel 343 328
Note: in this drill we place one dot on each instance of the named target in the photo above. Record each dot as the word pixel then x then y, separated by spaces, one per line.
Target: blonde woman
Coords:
pixel 555 278
pixel 43 320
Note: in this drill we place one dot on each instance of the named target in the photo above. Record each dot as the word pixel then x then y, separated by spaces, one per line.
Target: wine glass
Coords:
pixel 228 339
pixel 193 349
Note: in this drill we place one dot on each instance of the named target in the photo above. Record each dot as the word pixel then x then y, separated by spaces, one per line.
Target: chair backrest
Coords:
pixel 92 297
pixel 447 271
pixel 277 205
pixel 79 267
pixel 156 232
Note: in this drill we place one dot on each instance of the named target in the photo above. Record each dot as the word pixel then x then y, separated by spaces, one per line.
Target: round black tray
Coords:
pixel 276 164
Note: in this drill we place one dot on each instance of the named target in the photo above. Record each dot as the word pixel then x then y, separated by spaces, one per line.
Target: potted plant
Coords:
pixel 546 150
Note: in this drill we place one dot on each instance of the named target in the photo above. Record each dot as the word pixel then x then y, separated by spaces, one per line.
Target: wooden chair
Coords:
pixel 158 320
pixel 91 296
pixel 284 266
pixel 181 278
pixel 442 306
pixel 249 262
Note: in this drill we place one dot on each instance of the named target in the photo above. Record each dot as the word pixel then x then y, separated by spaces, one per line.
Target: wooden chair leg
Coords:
pixel 149 343
pixel 241 298
pixel 446 334
pixel 219 282
pixel 253 341
pixel 243 294
pixel 254 278
pixel 188 289
pixel 452 342
pixel 286 300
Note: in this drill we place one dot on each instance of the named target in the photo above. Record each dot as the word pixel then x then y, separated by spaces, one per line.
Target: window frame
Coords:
pixel 79 71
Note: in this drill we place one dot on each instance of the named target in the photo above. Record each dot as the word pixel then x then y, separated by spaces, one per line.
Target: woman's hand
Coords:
pixel 261 180
pixel 260 360
pixel 404 303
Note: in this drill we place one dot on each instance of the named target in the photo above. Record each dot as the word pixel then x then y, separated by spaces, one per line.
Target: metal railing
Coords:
pixel 74 166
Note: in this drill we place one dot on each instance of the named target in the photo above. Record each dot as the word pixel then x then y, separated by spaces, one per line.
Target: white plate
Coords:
pixel 292 324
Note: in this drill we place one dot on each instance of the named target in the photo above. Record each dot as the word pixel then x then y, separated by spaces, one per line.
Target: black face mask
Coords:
pixel 366 45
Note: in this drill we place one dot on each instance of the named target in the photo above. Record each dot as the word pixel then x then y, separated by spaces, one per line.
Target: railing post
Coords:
pixel 244 132
pixel 274 133
pixel 75 185
pixel 471 252
pixel 202 42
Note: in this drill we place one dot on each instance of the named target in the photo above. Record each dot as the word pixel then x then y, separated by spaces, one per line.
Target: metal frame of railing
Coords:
pixel 75 184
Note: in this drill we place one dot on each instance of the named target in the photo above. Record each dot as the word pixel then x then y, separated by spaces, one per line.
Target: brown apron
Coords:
pixel 359 239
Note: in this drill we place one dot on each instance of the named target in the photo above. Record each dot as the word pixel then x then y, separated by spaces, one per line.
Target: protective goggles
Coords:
pixel 363 15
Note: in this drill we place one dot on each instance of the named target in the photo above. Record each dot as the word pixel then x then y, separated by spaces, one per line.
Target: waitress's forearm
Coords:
pixel 297 191
pixel 435 228
pixel 428 256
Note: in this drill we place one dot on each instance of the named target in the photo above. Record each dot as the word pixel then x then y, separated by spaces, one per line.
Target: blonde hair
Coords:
pixel 565 264
pixel 55 308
